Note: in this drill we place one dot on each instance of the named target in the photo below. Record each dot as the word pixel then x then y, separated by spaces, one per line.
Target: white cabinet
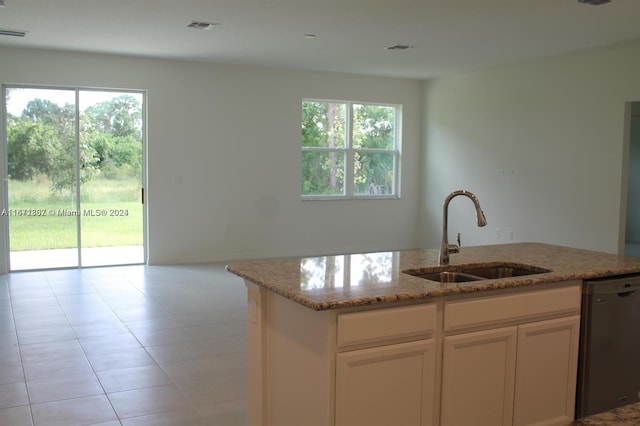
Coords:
pixel 478 377
pixel 520 374
pixel 386 383
pixel 546 372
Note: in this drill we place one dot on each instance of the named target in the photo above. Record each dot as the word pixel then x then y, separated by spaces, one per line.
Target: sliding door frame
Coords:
pixel 5 249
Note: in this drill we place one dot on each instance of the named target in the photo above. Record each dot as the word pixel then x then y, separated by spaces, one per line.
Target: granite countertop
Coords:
pixel 629 415
pixel 331 282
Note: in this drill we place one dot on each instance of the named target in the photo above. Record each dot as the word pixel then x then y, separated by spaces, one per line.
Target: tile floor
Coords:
pixel 131 345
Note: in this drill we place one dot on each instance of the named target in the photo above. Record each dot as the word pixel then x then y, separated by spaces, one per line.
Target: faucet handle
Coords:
pixel 458 240
pixel 453 248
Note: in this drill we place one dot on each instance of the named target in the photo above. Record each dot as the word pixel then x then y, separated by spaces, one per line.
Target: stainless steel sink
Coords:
pixel 446 276
pixel 475 272
pixel 505 271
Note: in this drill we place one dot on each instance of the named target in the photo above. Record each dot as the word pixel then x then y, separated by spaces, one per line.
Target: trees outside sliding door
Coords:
pixel 74 173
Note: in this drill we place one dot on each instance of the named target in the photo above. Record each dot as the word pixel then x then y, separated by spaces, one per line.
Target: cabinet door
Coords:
pixel 546 371
pixel 478 378
pixel 388 385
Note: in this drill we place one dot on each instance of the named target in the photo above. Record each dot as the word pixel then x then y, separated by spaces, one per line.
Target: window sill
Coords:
pixel 348 198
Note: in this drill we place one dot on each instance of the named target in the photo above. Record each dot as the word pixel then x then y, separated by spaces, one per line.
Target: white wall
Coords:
pixel 633 193
pixel 558 124
pixel 223 171
pixel 224 156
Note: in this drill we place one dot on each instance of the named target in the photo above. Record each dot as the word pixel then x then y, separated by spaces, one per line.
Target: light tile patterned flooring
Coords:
pixel 129 346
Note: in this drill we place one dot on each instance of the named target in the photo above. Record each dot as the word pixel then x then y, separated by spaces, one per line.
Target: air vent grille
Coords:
pixel 12 33
pixel 595 2
pixel 199 25
pixel 399 47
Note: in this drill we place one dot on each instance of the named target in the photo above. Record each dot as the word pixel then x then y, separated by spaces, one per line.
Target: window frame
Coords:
pixel 349 153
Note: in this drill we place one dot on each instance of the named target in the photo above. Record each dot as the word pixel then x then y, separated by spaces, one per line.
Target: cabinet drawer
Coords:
pixel 526 305
pixel 393 324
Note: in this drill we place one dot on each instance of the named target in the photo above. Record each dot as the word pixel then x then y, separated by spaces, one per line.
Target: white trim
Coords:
pixel 349 152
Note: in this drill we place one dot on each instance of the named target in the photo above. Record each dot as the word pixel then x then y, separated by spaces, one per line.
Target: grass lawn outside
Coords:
pixel 110 212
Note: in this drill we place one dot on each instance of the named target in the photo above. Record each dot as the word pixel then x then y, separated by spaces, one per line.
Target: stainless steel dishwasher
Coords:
pixel 609 361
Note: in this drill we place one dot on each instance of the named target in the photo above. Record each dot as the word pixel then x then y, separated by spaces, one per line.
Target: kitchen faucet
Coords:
pixel 445 247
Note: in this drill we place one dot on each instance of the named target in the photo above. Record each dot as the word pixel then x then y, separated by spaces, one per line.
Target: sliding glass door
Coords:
pixel 74 173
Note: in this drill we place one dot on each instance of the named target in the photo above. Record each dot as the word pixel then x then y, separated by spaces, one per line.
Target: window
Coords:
pixel 349 150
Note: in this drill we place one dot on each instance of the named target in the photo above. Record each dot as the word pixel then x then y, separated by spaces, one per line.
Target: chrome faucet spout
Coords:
pixel 445 247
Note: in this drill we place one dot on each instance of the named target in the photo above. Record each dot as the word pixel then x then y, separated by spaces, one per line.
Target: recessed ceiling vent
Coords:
pixel 199 25
pixel 399 47
pixel 12 33
pixel 594 2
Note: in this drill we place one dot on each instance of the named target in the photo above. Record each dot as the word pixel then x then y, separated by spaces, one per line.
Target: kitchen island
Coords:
pixel 353 339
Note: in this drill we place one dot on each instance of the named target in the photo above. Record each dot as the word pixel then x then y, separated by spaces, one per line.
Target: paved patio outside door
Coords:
pixel 59 258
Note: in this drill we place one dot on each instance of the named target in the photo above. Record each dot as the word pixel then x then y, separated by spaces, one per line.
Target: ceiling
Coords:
pixel 351 36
